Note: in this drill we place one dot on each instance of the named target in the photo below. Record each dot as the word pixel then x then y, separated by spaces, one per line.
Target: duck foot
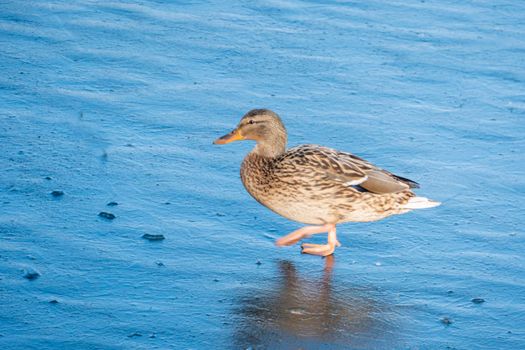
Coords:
pixel 317 249
pixel 309 248
pixel 303 232
pixel 322 249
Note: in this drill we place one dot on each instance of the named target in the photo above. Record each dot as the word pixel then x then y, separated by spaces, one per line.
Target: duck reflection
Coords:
pixel 305 313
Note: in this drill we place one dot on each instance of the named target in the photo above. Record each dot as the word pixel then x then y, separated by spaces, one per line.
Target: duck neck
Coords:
pixel 270 148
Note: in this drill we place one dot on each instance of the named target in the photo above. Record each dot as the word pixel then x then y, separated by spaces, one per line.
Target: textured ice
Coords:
pixel 119 101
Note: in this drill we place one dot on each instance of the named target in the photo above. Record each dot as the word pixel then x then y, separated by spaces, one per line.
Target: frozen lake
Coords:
pixel 120 102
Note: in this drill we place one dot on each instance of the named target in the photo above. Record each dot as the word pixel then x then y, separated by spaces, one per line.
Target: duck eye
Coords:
pixel 251 122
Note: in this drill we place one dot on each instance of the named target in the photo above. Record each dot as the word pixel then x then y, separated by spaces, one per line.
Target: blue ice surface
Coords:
pixel 121 100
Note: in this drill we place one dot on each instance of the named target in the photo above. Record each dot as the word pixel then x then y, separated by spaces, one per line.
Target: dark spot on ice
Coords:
pixel 215 280
pixel 47 178
pixel 151 237
pixel 167 203
pixel 136 334
pixel 478 300
pixel 57 194
pixel 31 274
pixel 112 204
pixel 450 292
pixel 106 215
pixel 54 301
pixel 446 321
pixel 160 263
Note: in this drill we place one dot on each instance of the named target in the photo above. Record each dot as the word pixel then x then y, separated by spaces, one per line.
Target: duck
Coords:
pixel 314 185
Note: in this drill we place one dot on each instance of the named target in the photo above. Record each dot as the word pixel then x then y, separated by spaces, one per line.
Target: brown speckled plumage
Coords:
pixel 310 184
pixel 316 185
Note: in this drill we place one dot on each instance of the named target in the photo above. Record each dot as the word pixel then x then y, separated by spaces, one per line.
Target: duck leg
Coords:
pixel 322 249
pixel 305 232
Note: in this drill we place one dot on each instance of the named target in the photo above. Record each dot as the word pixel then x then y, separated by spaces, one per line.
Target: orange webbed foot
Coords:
pixel 309 248
pixel 317 249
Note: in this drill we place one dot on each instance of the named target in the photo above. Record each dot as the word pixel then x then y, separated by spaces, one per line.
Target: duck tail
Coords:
pixel 420 203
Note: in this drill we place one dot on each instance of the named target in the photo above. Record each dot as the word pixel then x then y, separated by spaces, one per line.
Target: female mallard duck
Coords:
pixel 316 185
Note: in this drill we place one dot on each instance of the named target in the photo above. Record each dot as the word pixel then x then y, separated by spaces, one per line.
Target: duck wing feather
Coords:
pixel 344 168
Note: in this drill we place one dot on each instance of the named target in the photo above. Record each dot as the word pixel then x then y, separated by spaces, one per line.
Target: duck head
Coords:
pixel 262 126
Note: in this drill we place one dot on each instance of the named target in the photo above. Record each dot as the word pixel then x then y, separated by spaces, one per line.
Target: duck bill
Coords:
pixel 235 135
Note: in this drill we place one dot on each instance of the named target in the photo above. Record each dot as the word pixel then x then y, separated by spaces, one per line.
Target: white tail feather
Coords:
pixel 420 203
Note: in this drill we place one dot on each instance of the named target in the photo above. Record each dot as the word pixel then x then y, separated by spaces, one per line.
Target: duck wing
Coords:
pixel 328 164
